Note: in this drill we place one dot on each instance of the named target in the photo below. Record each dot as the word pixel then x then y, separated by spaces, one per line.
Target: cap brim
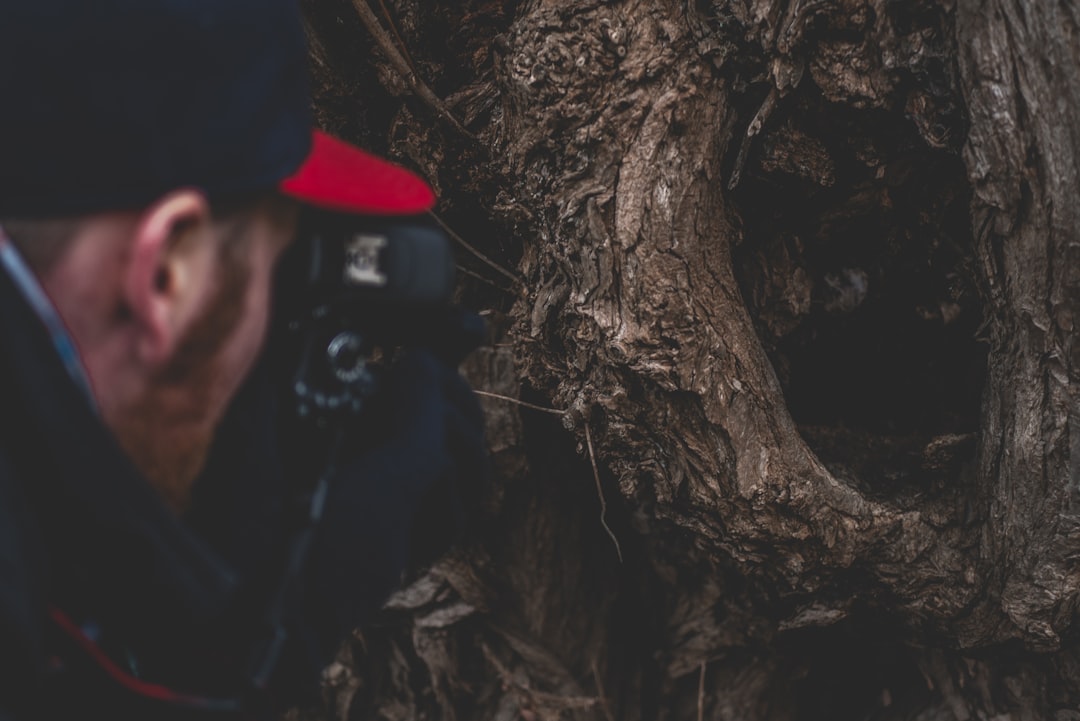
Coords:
pixel 340 177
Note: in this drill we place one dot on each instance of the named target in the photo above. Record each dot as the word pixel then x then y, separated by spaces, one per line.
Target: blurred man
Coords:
pixel 154 159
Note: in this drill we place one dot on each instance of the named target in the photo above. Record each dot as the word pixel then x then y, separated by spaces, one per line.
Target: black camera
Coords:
pixel 352 287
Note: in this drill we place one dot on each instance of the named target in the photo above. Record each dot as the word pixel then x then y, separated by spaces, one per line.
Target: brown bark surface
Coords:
pixel 789 288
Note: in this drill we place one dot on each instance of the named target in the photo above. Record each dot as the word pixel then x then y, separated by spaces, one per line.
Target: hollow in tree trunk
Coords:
pixel 782 298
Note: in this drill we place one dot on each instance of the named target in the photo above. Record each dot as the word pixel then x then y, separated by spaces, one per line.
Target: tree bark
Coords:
pixel 782 298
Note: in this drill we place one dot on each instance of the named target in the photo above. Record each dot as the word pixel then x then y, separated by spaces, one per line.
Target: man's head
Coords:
pixel 168 306
pixel 155 153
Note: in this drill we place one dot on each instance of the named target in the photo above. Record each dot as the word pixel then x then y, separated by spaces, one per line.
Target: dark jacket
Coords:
pixel 110 605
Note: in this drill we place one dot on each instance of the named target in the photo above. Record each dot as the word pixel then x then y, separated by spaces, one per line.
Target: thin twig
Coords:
pixel 592 460
pixel 753 129
pixel 600 492
pixel 536 697
pixel 422 91
pixel 701 694
pixel 558 702
pixel 600 690
pixel 486 260
pixel 401 41
pixel 483 279
pixel 515 401
pixel 318 51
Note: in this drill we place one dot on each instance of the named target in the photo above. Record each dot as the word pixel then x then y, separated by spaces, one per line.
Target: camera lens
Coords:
pixel 346 357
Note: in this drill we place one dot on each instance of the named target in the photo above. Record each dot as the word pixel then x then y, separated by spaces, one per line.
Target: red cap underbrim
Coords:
pixel 340 177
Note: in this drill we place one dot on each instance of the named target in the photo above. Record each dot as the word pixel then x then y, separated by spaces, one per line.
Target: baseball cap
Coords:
pixel 110 104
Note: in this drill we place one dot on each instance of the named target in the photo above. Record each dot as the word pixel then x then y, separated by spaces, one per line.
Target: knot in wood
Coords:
pixel 566 52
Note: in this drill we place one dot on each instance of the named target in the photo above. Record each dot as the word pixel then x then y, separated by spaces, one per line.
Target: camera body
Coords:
pixel 350 288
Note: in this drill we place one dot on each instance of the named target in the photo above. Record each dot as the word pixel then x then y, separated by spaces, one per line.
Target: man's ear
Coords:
pixel 163 276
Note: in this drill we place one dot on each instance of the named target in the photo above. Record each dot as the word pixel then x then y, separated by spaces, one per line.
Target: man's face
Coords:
pixel 169 430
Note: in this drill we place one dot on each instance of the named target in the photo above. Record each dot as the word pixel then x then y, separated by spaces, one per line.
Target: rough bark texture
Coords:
pixel 797 281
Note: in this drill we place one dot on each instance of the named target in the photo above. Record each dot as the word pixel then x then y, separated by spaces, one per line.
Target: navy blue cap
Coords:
pixel 109 104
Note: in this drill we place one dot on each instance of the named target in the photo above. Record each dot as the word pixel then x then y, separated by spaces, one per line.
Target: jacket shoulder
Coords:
pixel 22 603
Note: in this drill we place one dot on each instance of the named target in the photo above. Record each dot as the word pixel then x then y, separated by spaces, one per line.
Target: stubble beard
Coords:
pixel 167 432
pixel 169 459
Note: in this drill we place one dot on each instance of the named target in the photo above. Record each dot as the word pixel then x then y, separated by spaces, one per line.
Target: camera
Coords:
pixel 353 288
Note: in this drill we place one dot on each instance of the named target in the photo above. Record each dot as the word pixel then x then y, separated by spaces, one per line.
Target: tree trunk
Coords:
pixel 782 297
